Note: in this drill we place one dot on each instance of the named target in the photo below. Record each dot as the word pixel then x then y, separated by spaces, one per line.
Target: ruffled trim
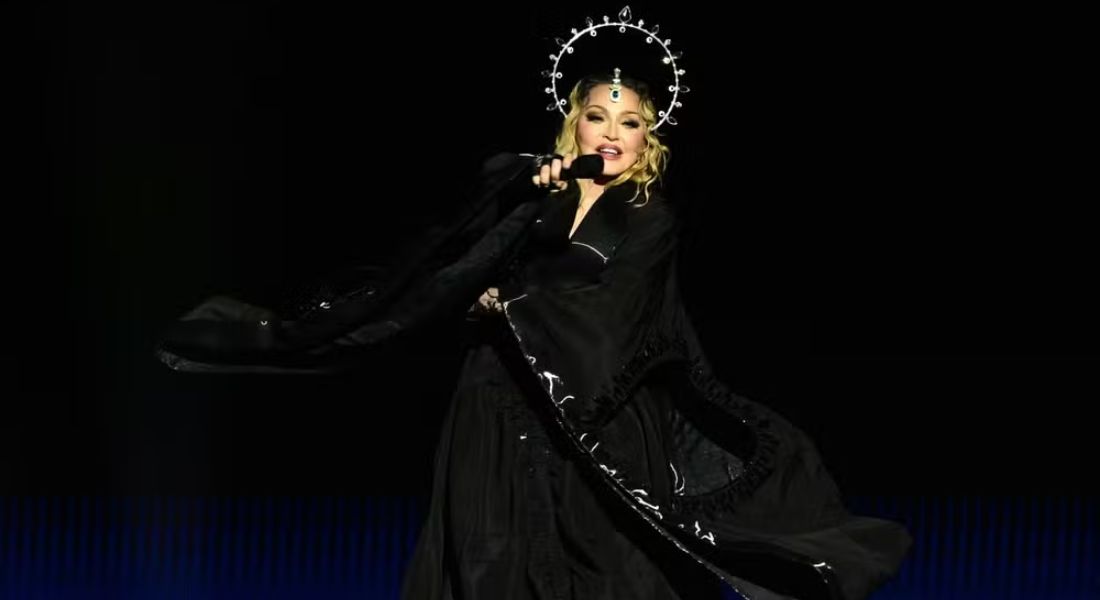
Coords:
pixel 611 475
pixel 602 407
pixel 759 463
pixel 757 468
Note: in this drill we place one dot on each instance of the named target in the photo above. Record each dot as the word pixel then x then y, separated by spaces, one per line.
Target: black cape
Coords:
pixel 748 497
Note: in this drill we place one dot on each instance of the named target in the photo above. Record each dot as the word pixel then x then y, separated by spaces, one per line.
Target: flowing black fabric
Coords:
pixel 600 385
pixel 513 516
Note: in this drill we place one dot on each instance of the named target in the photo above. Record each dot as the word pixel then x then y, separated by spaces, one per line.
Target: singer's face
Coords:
pixel 614 130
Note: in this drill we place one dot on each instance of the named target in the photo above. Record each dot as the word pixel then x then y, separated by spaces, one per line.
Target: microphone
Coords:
pixel 518 188
pixel 585 166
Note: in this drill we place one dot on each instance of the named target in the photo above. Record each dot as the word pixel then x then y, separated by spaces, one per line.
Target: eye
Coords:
pixel 631 124
pixel 595 118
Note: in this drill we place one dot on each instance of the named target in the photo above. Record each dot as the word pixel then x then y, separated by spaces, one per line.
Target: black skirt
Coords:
pixel 512 516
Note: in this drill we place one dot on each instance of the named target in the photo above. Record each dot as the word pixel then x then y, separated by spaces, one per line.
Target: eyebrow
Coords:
pixel 625 112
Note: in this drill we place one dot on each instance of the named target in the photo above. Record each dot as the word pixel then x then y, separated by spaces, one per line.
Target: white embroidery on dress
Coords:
pixel 637 493
pixel 677 483
pixel 550 378
pixel 709 536
pixel 592 249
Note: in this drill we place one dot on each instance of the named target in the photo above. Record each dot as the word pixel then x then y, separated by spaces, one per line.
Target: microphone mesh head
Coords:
pixel 586 167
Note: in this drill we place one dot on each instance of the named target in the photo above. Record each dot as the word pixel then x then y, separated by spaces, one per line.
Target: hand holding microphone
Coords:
pixel 555 170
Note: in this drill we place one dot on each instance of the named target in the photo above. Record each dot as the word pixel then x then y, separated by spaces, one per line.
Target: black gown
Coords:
pixel 512 516
pixel 590 450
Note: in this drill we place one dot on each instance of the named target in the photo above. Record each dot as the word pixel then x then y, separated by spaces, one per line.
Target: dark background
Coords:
pixel 883 240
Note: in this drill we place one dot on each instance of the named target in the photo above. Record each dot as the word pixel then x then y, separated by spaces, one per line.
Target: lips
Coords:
pixel 609 151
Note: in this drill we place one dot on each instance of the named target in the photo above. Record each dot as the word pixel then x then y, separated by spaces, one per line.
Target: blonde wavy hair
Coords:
pixel 652 161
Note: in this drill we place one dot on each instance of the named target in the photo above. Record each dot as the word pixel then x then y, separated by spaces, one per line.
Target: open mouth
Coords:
pixel 609 152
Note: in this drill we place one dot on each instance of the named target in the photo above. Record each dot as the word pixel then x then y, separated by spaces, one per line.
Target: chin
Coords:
pixel 616 170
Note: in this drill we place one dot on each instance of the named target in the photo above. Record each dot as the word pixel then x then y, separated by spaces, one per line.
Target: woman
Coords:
pixel 589 451
pixel 511 515
pixel 518 511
